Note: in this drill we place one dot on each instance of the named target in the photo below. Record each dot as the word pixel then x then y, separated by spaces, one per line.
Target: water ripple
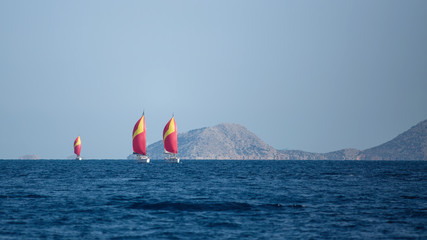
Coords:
pixel 213 200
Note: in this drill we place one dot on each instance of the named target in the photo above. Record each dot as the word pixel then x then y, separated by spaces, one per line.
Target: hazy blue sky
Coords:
pixel 310 75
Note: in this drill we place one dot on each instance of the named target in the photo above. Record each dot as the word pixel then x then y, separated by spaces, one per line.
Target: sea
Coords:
pixel 213 199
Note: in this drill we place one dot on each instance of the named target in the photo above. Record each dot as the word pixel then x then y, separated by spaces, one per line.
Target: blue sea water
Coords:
pixel 107 199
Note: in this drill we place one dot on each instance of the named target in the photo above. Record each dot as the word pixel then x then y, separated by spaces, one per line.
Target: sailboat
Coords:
pixel 170 141
pixel 139 141
pixel 77 148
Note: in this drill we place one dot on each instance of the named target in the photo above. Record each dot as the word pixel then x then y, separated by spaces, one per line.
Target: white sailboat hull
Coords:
pixel 142 158
pixel 175 160
pixel 146 160
pixel 172 159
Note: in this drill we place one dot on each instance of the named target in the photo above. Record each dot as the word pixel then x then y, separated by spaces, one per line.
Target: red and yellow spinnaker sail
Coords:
pixel 77 146
pixel 170 137
pixel 139 137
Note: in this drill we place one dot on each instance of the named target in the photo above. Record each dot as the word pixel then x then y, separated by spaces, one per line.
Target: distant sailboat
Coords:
pixel 78 148
pixel 170 141
pixel 139 141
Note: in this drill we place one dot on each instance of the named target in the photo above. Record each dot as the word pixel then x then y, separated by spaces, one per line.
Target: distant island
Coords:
pixel 234 141
pixel 29 157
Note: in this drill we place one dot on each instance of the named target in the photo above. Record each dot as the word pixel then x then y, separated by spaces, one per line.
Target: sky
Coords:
pixel 317 76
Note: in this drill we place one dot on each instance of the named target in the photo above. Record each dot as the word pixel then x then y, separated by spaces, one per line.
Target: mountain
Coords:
pixel 299 155
pixel 29 157
pixel 234 141
pixel 223 141
pixel 345 154
pixel 410 145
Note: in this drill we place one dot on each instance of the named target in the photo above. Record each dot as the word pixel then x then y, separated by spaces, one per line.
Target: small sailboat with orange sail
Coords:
pixel 170 141
pixel 77 148
pixel 139 141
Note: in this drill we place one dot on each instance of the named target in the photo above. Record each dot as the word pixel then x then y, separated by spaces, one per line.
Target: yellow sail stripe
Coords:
pixel 78 142
pixel 170 130
pixel 140 128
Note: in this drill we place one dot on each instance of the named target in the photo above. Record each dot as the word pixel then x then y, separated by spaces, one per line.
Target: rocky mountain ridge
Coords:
pixel 234 141
pixel 223 141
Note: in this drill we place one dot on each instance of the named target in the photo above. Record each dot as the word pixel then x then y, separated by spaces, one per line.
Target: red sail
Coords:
pixel 77 146
pixel 170 137
pixel 139 137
